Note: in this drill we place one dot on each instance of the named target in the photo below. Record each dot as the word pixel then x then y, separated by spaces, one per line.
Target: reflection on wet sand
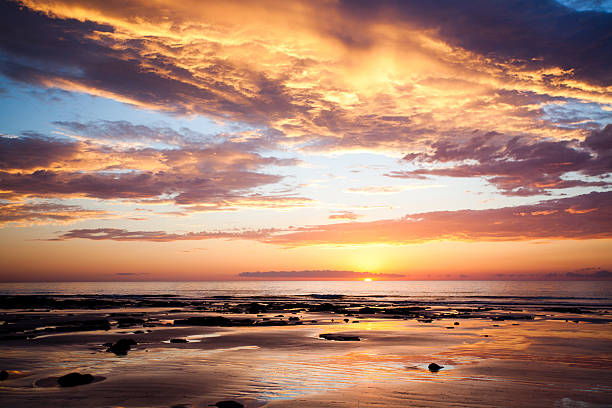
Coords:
pixel 527 359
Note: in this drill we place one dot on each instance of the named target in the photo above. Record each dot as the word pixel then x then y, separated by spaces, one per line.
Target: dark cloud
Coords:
pixel 125 131
pixel 132 273
pixel 46 212
pixel 114 234
pixel 318 274
pixel 39 49
pixel 211 175
pixel 598 274
pixel 518 166
pixel 585 273
pixel 529 34
pixel 34 151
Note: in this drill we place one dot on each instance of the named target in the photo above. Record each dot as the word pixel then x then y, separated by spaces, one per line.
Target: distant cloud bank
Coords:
pixel 319 274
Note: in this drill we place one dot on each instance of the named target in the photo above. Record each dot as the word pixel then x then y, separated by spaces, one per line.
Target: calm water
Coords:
pixel 520 291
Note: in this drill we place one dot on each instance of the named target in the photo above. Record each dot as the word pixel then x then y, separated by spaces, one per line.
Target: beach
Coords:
pixel 267 351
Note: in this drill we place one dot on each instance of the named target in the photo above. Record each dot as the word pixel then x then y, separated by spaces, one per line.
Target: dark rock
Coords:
pixel 274 323
pixel 317 296
pixel 327 307
pixel 256 308
pixel 512 317
pixel 3 375
pixel 129 321
pixel 369 310
pixel 82 325
pixel 404 311
pixel 456 323
pixel 294 318
pixel 425 320
pixel 227 404
pixel 121 347
pixel 213 321
pixel 573 310
pixel 346 320
pixel 178 341
pixel 74 379
pixel 338 337
pixel 433 367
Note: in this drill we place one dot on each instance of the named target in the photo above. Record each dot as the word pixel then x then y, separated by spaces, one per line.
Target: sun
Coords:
pixel 367 280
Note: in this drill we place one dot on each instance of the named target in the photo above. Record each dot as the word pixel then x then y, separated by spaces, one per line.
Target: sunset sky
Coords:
pixel 193 140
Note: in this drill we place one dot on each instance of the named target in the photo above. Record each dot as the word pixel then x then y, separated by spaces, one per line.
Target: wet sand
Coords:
pixel 497 355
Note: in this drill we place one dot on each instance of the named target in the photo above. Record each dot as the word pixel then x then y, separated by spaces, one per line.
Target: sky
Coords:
pixel 240 140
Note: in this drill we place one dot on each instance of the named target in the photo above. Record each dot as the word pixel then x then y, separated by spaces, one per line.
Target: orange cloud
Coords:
pixel 388 76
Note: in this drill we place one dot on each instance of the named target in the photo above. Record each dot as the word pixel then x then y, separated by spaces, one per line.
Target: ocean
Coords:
pixel 506 292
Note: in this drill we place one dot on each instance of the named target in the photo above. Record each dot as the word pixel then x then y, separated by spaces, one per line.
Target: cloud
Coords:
pixel 132 273
pixel 585 273
pixel 318 274
pixel 46 212
pixel 518 166
pixel 214 175
pixel 387 75
pixel 115 234
pixel 536 35
pixel 34 151
pixel 344 215
pixel 581 217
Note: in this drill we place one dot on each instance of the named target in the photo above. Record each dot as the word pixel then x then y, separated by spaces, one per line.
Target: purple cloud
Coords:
pixel 518 166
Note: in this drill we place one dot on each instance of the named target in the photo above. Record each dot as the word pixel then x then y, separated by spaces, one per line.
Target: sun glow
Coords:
pixel 367 280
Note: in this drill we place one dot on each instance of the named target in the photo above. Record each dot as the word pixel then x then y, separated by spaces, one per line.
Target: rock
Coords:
pixel 74 379
pixel 213 321
pixel 294 318
pixel 129 321
pixel 338 337
pixel 275 323
pixel 324 296
pixel 456 323
pixel 178 341
pixel 121 347
pixel 227 404
pixel 346 320
pixel 369 310
pixel 3 375
pixel 256 308
pixel 433 367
